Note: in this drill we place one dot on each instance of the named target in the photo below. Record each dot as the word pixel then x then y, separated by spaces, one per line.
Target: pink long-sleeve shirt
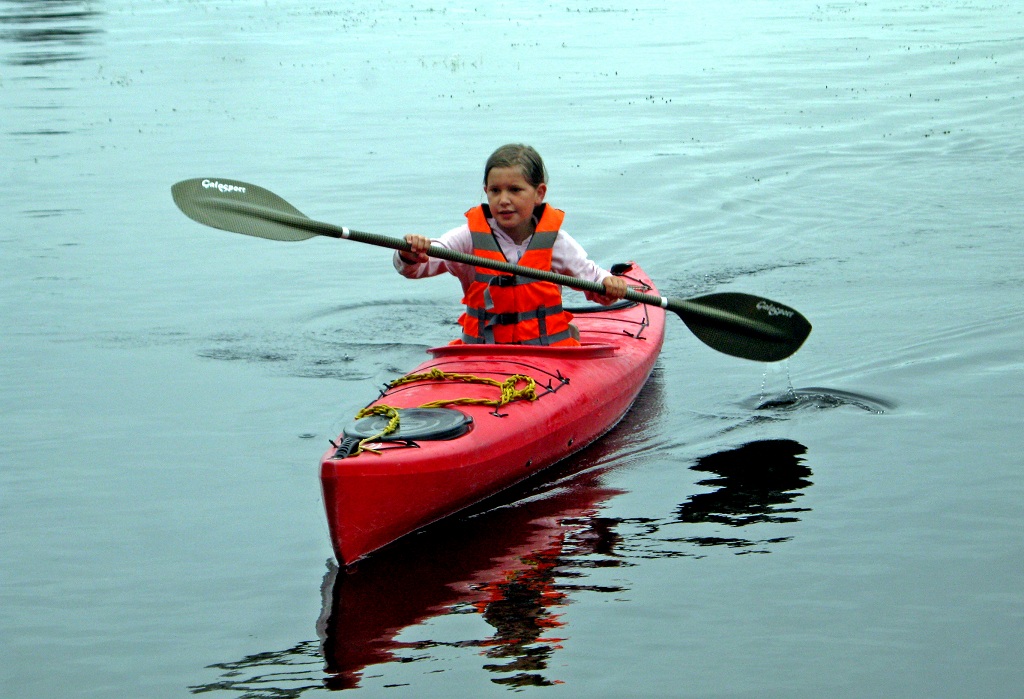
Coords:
pixel 567 257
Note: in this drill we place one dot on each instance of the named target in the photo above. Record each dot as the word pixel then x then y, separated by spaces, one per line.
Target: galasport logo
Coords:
pixel 222 186
pixel 773 310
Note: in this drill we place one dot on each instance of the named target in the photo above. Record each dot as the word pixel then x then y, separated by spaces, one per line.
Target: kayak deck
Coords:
pixel 576 395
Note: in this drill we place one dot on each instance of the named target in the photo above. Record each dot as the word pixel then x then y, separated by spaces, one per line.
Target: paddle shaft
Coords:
pixel 685 309
pixel 742 325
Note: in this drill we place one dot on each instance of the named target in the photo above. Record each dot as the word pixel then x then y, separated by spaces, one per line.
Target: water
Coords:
pixel 845 524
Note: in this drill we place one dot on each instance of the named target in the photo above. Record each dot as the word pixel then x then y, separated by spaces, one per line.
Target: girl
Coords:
pixel 515 226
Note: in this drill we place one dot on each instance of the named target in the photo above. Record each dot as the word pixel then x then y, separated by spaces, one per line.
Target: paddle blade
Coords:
pixel 238 207
pixel 745 326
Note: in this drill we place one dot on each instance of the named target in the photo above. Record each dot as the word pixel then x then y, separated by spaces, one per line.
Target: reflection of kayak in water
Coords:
pixel 518 565
pixel 502 567
pixel 444 459
pixel 516 561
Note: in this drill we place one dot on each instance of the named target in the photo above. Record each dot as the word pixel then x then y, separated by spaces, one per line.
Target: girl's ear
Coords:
pixel 542 189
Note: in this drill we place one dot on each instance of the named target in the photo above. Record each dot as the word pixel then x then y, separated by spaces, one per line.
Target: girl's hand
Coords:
pixel 418 255
pixel 614 289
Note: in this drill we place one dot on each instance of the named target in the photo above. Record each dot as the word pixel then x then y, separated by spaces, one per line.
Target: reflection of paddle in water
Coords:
pixel 754 483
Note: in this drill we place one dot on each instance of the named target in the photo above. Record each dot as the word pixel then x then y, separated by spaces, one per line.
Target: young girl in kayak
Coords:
pixel 515 226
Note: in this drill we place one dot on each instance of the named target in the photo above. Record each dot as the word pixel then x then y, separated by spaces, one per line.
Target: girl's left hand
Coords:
pixel 614 289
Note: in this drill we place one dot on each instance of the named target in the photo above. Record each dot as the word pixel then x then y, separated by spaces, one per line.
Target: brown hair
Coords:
pixel 520 156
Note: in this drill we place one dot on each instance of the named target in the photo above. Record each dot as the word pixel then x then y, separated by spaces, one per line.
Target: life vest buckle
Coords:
pixel 502 280
pixel 503 318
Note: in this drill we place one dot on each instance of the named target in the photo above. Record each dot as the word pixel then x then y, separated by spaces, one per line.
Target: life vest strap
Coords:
pixel 540 341
pixel 504 279
pixel 512 318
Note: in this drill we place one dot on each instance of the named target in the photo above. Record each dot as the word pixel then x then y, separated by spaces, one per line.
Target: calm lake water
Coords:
pixel 845 524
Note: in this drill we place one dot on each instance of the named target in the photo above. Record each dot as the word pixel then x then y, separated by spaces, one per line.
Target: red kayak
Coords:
pixel 475 419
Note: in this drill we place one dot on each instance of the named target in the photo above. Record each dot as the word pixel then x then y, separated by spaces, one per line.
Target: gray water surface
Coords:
pixel 844 524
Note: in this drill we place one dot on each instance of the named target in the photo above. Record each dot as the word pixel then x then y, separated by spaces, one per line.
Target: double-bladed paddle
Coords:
pixel 738 324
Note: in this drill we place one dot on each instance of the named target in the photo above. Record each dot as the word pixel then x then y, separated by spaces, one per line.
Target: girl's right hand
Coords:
pixel 418 254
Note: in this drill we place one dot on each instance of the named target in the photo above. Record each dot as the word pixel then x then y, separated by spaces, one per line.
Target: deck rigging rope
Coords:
pixel 509 393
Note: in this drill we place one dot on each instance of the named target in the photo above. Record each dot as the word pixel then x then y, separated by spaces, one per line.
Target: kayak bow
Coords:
pixel 494 415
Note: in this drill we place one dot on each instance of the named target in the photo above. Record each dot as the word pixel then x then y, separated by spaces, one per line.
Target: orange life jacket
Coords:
pixel 511 309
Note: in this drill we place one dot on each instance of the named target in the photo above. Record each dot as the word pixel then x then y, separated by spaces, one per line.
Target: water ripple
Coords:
pixel 816 398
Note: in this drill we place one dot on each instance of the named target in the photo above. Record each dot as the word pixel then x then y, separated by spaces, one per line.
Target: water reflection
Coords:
pixel 755 483
pixel 514 563
pixel 47 31
pixel 514 567
pixel 508 572
pixel 505 568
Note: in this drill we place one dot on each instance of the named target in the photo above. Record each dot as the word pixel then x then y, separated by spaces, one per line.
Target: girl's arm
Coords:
pixel 415 264
pixel 569 257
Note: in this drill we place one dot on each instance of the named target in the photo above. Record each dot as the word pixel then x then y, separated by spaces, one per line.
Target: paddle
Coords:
pixel 741 325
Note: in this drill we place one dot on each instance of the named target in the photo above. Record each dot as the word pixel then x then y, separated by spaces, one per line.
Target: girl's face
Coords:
pixel 512 200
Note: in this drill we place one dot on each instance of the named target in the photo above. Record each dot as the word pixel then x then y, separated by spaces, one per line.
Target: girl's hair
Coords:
pixel 520 156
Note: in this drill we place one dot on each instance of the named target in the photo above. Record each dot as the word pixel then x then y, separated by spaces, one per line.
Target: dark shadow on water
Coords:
pixel 48 31
pixel 515 563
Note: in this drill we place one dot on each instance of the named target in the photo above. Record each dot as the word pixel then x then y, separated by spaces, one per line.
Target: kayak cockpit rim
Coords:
pixel 584 351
